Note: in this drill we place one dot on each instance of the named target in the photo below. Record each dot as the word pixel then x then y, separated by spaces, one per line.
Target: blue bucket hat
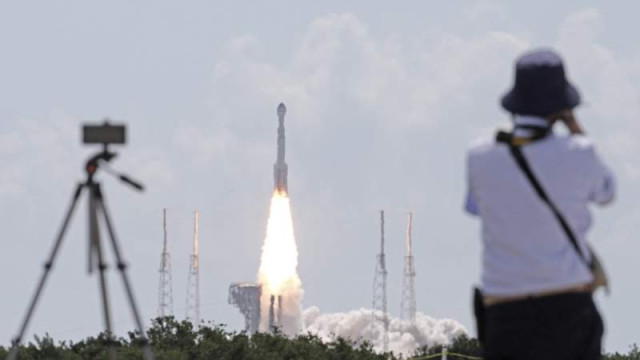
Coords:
pixel 541 87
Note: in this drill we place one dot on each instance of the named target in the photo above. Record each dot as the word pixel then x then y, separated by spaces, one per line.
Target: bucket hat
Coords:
pixel 541 87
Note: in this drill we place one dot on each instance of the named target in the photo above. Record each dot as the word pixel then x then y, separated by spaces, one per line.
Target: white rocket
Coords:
pixel 280 167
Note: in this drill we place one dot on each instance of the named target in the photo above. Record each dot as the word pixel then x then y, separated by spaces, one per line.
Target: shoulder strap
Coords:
pixel 522 162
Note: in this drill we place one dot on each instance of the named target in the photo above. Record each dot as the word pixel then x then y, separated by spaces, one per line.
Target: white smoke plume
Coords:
pixel 403 338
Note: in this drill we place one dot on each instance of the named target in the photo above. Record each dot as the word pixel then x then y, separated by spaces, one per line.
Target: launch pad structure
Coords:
pixel 380 291
pixel 246 297
pixel 408 302
pixel 165 287
pixel 193 279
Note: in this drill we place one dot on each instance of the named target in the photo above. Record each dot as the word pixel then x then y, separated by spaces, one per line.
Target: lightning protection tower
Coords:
pixel 408 304
pixel 193 281
pixel 380 291
pixel 165 288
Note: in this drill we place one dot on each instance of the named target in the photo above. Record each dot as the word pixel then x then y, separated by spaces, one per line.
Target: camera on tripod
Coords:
pixel 104 134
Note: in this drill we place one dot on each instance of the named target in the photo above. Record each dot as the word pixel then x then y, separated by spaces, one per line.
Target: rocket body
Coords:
pixel 280 167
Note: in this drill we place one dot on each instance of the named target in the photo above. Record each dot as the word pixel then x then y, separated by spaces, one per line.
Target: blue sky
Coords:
pixel 382 101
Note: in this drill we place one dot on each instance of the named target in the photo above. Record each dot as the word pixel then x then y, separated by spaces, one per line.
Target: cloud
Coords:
pixel 338 65
pixel 199 145
pixel 481 11
pixel 32 151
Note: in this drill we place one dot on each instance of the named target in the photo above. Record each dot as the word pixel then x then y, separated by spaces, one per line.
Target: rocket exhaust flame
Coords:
pixel 278 271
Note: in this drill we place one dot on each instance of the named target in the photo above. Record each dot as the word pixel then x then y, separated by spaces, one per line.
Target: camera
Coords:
pixel 104 133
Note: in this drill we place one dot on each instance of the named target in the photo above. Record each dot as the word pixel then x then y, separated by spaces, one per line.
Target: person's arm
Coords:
pixel 470 205
pixel 604 185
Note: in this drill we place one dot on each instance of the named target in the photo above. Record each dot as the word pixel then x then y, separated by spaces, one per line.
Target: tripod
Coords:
pixel 96 208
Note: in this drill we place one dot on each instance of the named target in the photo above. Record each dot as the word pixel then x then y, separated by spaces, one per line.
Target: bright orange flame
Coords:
pixel 278 267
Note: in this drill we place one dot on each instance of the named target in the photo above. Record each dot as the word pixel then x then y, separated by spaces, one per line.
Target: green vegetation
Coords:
pixel 461 345
pixel 634 354
pixel 174 340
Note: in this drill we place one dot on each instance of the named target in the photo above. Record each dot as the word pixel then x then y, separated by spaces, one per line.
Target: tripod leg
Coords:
pixel 96 250
pixel 122 266
pixel 105 307
pixel 47 269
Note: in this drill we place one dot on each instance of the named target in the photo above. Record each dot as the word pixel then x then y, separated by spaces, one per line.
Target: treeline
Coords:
pixel 179 340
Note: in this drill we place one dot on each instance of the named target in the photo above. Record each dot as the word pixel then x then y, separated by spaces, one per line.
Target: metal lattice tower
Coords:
pixel 193 281
pixel 246 296
pixel 408 304
pixel 380 290
pixel 165 288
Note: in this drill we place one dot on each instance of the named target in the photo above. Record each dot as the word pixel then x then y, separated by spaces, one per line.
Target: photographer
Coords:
pixel 531 189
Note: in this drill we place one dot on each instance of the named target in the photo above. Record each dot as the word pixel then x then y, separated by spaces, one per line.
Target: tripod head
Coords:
pixel 101 161
pixel 94 162
pixel 105 134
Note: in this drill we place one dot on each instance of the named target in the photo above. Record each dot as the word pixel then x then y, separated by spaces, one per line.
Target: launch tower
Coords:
pixel 193 280
pixel 380 290
pixel 165 288
pixel 408 304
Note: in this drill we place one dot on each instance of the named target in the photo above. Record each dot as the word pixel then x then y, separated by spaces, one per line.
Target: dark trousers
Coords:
pixel 559 327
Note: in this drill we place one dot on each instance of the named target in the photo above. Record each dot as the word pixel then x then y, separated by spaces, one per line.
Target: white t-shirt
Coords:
pixel 525 249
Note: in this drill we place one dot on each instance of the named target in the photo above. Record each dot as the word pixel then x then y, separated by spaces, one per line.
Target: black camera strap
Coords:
pixel 522 162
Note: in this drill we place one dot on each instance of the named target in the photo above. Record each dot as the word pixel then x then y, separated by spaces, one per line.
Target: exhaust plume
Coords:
pixel 278 273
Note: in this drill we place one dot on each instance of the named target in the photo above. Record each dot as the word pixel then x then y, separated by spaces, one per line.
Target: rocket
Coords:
pixel 280 167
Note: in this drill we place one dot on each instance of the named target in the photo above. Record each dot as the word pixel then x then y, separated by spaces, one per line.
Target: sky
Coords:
pixel 383 99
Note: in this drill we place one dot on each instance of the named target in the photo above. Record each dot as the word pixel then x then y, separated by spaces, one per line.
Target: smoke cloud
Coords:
pixel 403 338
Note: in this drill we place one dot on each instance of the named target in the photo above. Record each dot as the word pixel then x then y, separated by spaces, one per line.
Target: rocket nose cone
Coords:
pixel 282 109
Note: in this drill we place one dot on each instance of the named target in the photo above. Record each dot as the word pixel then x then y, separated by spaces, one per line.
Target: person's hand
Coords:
pixel 570 121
